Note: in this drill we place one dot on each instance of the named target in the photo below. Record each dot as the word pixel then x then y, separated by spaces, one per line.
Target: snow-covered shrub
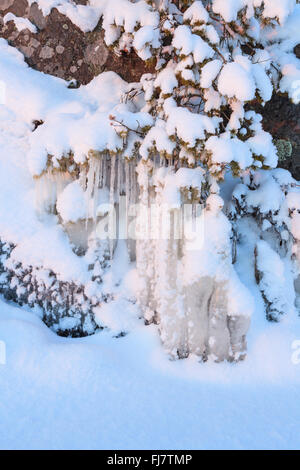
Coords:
pixel 267 205
pixel 269 270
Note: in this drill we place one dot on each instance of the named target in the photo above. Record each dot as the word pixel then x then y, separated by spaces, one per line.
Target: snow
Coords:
pixel 76 120
pixel 85 17
pixel 225 149
pixel 209 72
pixel 235 82
pixel 212 34
pixel 166 81
pixel 52 251
pixel 188 126
pixel 229 9
pixel 290 32
pixel 98 393
pixel 293 200
pixel 157 138
pixel 295 225
pixel 263 82
pixel 118 14
pixel 20 23
pixel 268 197
pixel 214 253
pixel 123 12
pixel 196 13
pixel 145 37
pixel 291 82
pixel 213 100
pixel 262 144
pixel 289 37
pixel 188 43
pixel 112 316
pixel 82 121
pixel 273 280
pixel 240 300
pixel 188 177
pixel 278 8
pixel 71 203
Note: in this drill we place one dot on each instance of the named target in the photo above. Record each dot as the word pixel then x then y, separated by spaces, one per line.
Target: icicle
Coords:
pixel 119 179
pixel 134 182
pixel 112 179
pixel 93 182
pixel 90 186
pixel 47 188
pixel 122 176
pixel 39 199
pixel 96 187
pixel 100 170
pixel 83 177
pixel 112 198
pixel 127 184
pixel 102 159
pixel 131 181
pixel 97 174
pixel 128 198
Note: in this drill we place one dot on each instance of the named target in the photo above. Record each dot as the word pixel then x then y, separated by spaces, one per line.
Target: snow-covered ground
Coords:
pixel 106 393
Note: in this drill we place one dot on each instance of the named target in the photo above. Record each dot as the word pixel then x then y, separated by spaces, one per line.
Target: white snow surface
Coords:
pixel 20 23
pixel 271 8
pixel 98 393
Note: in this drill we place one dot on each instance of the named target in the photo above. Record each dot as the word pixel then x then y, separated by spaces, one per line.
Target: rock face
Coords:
pixel 61 49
